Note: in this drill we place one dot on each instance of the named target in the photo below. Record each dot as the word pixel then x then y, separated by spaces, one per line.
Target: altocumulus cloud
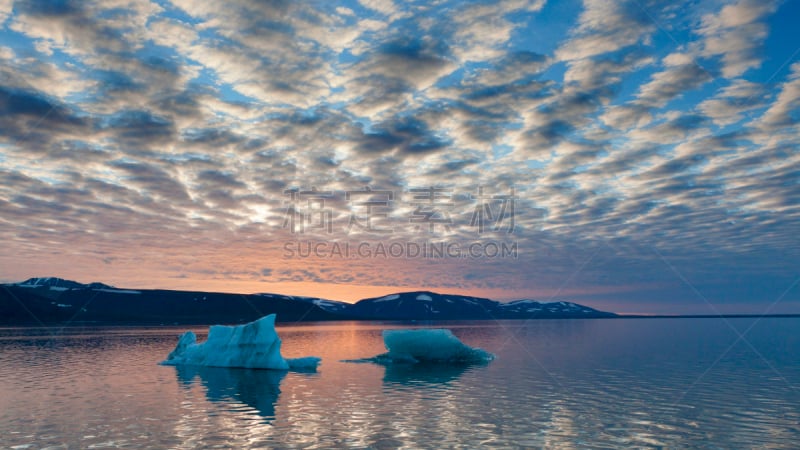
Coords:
pixel 650 145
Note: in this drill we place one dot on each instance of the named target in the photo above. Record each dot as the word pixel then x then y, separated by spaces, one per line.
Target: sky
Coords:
pixel 637 157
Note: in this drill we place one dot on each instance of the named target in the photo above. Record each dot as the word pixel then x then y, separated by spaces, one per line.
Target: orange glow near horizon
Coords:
pixel 341 292
pixel 241 261
pixel 353 293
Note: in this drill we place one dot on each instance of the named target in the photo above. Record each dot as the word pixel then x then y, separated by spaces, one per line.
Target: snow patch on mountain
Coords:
pixel 118 291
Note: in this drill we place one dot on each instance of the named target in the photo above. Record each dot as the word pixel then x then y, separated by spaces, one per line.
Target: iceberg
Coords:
pixel 427 346
pixel 254 345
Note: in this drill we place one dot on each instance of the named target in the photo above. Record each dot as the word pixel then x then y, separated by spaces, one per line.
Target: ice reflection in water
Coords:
pixel 555 384
pixel 425 374
pixel 258 389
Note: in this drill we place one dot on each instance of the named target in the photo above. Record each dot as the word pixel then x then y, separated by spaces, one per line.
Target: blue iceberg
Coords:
pixel 427 346
pixel 255 345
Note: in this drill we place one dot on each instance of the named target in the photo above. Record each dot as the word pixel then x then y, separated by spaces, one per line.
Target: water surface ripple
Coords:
pixel 654 383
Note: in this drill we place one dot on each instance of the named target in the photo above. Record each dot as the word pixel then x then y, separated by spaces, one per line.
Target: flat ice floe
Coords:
pixel 254 345
pixel 427 346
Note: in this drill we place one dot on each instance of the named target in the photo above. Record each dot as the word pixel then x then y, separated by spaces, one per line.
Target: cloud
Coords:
pixel 153 180
pixel 166 135
pixel 384 7
pixel 407 135
pixel 593 74
pixel 138 126
pixel 605 27
pixel 32 104
pixel 670 83
pixel 35 122
pixel 6 7
pixel 736 33
pixel 481 31
pixel 680 128
pixel 406 64
pixel 733 102
pixel 780 112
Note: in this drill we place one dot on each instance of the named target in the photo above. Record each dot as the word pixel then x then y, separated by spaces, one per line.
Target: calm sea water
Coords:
pixel 671 383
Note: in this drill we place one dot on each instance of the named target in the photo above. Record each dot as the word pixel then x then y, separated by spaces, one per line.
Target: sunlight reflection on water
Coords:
pixel 555 384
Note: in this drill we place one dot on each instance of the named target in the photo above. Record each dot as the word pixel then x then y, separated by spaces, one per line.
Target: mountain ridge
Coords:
pixel 45 300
